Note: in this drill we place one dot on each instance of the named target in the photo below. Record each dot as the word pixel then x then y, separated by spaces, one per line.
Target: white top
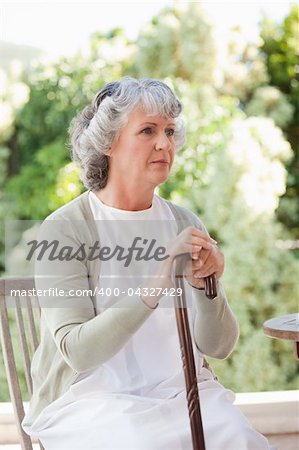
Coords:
pixel 150 363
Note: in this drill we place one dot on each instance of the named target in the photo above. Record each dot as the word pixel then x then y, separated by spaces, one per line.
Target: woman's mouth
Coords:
pixel 163 162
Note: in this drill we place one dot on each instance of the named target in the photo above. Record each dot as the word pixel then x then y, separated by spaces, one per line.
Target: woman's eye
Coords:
pixel 170 132
pixel 147 131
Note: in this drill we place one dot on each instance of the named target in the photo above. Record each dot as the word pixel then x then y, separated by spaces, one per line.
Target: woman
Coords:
pixel 108 371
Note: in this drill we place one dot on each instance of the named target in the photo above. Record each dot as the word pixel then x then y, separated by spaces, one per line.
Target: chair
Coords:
pixel 24 312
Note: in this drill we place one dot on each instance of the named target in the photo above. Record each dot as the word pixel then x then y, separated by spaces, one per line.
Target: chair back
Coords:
pixel 19 331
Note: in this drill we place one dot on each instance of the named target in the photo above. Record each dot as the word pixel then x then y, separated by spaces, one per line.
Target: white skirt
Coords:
pixel 123 421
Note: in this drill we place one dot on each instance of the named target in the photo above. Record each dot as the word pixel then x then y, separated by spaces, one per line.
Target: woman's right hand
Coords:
pixel 190 241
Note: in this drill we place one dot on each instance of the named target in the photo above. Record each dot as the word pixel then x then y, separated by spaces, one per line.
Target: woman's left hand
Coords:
pixel 204 263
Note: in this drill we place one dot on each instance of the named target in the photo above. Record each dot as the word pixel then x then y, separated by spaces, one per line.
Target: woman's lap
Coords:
pixel 130 422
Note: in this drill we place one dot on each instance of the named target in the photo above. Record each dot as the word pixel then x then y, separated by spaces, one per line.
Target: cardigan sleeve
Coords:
pixel 216 330
pixel 83 338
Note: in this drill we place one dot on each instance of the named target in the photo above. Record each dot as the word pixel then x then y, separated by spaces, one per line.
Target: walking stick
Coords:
pixel 181 313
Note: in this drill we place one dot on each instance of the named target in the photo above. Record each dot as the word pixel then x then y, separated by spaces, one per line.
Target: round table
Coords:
pixel 284 327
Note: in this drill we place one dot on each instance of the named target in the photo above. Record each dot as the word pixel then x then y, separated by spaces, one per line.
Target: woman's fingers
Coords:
pixel 210 262
pixel 192 241
pixel 195 252
pixel 202 243
pixel 202 235
pixel 199 250
pixel 206 257
pixel 205 271
pixel 203 257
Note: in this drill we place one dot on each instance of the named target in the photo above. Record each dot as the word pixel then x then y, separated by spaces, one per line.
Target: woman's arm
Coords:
pixel 216 329
pixel 84 339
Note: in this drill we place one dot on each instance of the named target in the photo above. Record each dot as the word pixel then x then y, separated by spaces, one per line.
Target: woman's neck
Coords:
pixel 125 199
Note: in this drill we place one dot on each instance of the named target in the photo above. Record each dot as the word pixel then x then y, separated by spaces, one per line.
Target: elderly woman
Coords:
pixel 108 371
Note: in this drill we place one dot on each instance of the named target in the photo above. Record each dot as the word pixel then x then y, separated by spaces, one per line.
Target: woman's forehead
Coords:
pixel 140 116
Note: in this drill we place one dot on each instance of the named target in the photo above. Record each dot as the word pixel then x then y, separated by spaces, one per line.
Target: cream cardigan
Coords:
pixel 73 338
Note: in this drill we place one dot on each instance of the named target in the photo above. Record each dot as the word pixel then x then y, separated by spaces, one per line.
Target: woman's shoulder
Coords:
pixel 184 215
pixel 74 219
pixel 76 209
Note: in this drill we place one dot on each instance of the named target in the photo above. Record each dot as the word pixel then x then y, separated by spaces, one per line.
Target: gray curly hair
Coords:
pixel 95 128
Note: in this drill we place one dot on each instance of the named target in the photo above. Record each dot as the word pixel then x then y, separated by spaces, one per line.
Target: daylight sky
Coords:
pixel 64 27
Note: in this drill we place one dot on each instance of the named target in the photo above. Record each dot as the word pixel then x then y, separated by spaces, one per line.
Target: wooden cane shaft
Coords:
pixel 188 361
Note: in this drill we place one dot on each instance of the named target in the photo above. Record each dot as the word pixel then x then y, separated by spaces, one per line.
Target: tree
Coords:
pixel 238 206
pixel 177 43
pixel 240 66
pixel 281 52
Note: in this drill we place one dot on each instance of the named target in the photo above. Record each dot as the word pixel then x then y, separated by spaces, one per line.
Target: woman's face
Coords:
pixel 142 142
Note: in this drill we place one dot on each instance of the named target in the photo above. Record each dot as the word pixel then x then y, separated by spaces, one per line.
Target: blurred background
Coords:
pixel 235 67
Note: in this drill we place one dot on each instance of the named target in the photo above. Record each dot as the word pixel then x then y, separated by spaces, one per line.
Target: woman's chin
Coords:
pixel 161 179
pixel 161 174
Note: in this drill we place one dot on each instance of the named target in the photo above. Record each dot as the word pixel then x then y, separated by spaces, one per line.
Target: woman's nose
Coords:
pixel 162 142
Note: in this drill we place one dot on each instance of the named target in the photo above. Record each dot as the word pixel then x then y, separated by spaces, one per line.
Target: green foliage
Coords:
pixel 238 206
pixel 241 67
pixel 4 154
pixel 268 101
pixel 46 182
pixel 54 99
pixel 13 95
pixel 281 52
pixel 177 44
